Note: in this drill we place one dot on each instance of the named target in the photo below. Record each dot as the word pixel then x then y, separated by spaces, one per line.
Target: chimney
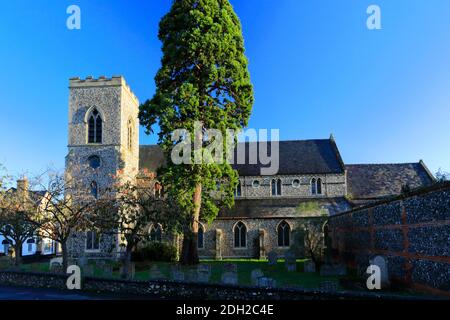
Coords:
pixel 22 187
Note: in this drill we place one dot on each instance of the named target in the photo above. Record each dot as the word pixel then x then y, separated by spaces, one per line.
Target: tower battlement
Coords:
pixel 102 81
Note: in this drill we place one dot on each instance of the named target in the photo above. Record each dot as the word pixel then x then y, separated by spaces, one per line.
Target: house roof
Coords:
pixel 295 157
pixel 35 196
pixel 371 181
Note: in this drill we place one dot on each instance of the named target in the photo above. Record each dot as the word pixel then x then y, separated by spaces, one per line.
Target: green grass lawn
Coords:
pixel 244 268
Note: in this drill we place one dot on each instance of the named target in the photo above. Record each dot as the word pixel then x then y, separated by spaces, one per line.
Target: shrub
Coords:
pixel 155 251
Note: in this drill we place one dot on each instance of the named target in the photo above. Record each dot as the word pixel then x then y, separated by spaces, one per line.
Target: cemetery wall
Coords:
pixel 412 232
pixel 179 290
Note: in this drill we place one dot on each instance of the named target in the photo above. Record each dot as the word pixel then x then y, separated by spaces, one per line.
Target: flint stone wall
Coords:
pixel 411 231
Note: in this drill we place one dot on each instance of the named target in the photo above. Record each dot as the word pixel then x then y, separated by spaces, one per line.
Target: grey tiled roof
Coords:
pixel 370 181
pixel 282 207
pixel 295 157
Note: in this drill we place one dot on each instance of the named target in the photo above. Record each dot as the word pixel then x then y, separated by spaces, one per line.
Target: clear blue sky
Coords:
pixel 316 68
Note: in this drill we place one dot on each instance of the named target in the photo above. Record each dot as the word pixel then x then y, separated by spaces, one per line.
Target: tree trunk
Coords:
pixel 18 253
pixel 189 254
pixel 64 255
pixel 126 264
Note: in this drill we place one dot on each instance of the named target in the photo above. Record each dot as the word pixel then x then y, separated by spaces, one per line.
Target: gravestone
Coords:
pixel 82 261
pixel 309 267
pixel 381 262
pixel 290 261
pixel 88 270
pixel 229 278
pixel 107 271
pixel 177 274
pixel 265 282
pixel 230 267
pixel 273 258
pixel 55 261
pixel 203 272
pixel 131 273
pixel 192 275
pixel 256 275
pixel 55 267
pixel 156 274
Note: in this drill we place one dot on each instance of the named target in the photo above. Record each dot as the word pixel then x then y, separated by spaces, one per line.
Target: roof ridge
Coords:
pixel 381 164
pixel 295 140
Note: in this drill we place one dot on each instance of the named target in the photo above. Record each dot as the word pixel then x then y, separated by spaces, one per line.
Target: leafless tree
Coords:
pixel 314 241
pixel 129 209
pixel 69 203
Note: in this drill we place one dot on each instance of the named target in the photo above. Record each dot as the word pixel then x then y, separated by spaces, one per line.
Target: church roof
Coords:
pixel 283 208
pixel 298 157
pixel 295 157
pixel 373 181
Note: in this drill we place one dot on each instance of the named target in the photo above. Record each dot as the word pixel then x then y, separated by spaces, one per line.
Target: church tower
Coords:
pixel 103 129
pixel 103 143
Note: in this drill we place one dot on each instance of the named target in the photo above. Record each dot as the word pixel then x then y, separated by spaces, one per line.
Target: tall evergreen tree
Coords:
pixel 204 79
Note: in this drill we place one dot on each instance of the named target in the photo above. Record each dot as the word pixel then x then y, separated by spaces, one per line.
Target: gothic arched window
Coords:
pixel 284 232
pixel 156 233
pixel 276 187
pixel 240 235
pixel 319 186
pixel 95 127
pixel 94 189
pixel 200 237
pixel 313 186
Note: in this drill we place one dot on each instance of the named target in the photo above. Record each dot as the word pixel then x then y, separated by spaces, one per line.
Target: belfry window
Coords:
pixel 95 127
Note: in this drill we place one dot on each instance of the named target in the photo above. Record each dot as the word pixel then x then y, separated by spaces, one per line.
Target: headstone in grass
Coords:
pixel 177 274
pixel 88 270
pixel 265 282
pixel 203 272
pixel 191 275
pixel 309 266
pixel 107 271
pixel 381 262
pixel 230 267
pixel 155 273
pixel 55 267
pixel 272 258
pixel 256 275
pixel 229 278
pixel 290 261
pixel 131 273
pixel 82 261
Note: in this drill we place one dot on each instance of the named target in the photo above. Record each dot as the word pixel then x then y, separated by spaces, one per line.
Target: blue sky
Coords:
pixel 316 68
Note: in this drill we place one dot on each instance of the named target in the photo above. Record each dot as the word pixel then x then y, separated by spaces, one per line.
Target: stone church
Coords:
pixel 312 183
